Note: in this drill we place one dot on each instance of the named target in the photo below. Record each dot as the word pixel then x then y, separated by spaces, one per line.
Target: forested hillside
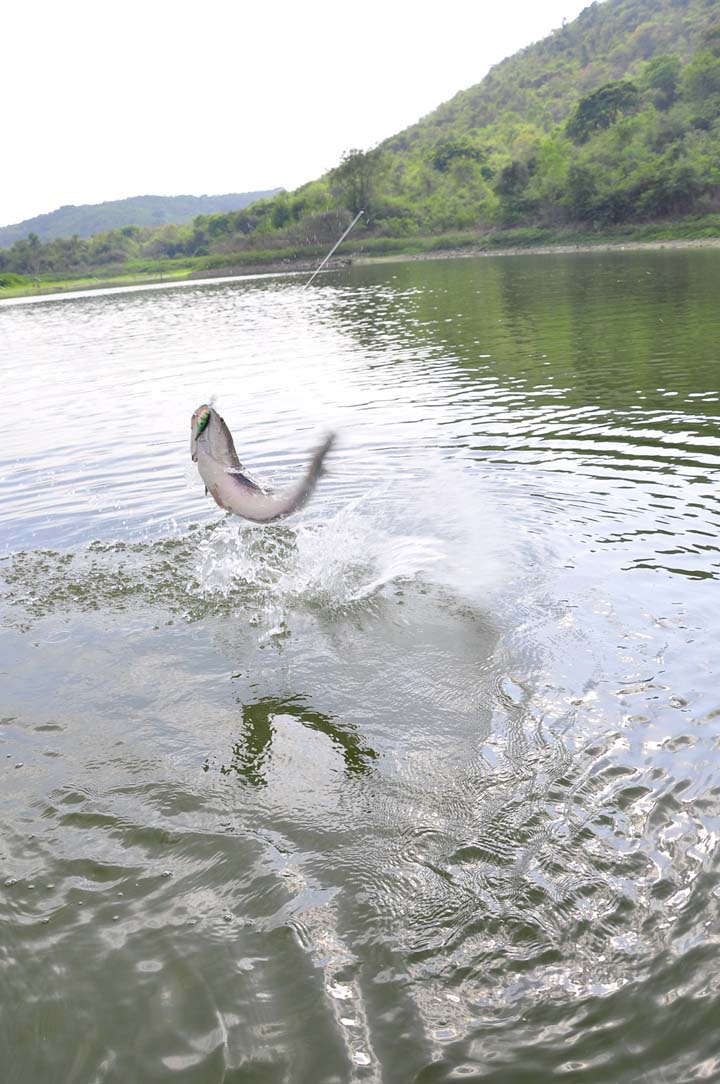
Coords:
pixel 613 119
pixel 614 116
pixel 90 218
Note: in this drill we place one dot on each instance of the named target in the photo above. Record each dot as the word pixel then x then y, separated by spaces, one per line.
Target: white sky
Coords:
pixel 107 100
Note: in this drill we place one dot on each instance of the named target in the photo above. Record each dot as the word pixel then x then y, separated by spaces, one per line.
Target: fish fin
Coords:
pixel 246 478
pixel 206 491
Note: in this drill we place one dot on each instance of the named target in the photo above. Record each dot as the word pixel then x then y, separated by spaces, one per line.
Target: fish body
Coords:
pixel 231 487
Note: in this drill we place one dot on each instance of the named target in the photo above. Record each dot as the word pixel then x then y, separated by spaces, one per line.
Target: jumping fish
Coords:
pixel 231 487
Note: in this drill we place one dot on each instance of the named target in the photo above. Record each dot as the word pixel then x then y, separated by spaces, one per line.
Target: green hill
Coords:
pixel 90 218
pixel 613 118
pixel 611 123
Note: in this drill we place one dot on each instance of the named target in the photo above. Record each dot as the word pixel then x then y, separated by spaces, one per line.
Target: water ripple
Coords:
pixel 419 785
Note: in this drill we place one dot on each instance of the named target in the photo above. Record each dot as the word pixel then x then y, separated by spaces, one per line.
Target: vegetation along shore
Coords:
pixel 20 286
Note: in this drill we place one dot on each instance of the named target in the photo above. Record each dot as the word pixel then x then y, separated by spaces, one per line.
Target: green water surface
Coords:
pixel 421 785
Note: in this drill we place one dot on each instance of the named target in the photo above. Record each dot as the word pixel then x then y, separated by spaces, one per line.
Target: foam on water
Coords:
pixel 432 528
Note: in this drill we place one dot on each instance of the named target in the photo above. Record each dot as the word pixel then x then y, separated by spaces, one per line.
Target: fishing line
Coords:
pixel 336 245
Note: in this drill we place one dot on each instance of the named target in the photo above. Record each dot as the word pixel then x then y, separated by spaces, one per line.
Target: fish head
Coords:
pixel 198 425
pixel 209 434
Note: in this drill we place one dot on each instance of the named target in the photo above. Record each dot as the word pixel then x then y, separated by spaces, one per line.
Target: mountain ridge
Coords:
pixel 86 219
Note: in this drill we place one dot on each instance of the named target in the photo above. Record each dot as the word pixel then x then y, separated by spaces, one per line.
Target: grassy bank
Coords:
pixel 54 284
pixel 701 231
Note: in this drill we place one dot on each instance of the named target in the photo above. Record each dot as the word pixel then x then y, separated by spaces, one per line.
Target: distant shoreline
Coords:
pixel 542 250
pixel 44 288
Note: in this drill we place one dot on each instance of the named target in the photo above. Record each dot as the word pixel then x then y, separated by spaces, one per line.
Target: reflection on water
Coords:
pixel 420 785
pixel 254 749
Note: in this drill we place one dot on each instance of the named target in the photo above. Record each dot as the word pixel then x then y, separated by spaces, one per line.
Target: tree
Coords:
pixel 281 213
pixel 34 247
pixel 599 109
pixel 672 190
pixel 444 153
pixel 512 188
pixel 662 77
pixel 701 78
pixel 354 179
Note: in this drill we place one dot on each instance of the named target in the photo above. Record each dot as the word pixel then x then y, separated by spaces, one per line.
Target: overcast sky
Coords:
pixel 103 101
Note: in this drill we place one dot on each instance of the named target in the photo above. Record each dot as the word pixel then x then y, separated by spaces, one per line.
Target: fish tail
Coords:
pixel 294 498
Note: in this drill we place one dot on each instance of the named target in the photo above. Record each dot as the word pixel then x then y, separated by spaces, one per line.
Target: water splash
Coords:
pixel 439 528
pixel 325 564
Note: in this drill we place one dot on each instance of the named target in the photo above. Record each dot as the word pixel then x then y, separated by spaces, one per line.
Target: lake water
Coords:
pixel 420 785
